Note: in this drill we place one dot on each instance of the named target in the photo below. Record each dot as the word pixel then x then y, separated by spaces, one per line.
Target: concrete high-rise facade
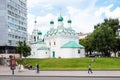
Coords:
pixel 13 24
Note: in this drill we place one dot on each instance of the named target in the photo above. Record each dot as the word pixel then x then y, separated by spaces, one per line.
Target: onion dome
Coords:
pixel 69 21
pixel 51 22
pixel 39 33
pixel 60 18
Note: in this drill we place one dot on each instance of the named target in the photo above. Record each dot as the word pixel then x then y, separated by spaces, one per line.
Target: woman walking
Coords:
pixel 89 69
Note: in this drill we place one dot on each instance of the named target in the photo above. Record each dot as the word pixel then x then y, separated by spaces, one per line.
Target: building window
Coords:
pixel 10 42
pixel 54 43
pixel 37 38
pixel 50 43
pixel 78 51
pixel 34 38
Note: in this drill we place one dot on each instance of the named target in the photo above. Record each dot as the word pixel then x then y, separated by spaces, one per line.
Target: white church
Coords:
pixel 58 42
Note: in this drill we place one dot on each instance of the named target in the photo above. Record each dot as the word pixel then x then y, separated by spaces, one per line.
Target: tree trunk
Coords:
pixel 20 55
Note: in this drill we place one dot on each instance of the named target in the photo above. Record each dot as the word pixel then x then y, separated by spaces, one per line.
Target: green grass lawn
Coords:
pixel 74 63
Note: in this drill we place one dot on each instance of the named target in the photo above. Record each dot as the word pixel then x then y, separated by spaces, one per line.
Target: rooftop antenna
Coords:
pixel 68 16
pixel 60 11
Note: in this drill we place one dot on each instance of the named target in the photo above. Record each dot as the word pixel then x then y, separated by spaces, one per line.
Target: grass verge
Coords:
pixel 73 63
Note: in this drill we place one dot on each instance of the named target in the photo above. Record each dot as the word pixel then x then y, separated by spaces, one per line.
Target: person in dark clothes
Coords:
pixel 31 67
pixel 37 68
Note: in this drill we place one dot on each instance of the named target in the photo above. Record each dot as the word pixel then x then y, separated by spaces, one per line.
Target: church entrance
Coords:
pixel 53 54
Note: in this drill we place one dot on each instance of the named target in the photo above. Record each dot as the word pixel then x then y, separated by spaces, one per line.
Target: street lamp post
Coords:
pixel 6 51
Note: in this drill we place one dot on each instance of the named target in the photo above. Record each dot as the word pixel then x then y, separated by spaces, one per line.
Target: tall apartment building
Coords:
pixel 13 24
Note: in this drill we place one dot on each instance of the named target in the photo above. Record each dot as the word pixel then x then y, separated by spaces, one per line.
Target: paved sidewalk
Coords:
pixel 5 71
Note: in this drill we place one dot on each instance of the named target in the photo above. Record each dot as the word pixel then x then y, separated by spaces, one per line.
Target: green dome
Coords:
pixel 51 22
pixel 60 18
pixel 69 21
pixel 39 33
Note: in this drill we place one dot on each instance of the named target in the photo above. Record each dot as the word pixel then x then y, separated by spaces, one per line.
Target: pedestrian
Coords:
pixel 89 69
pixel 30 67
pixel 37 68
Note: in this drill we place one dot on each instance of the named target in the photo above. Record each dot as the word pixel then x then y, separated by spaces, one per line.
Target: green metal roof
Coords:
pixel 39 33
pixel 43 48
pixel 39 42
pixel 72 44
pixel 66 31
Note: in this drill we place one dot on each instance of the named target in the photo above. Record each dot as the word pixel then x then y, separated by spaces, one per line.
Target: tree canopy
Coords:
pixel 103 39
pixel 23 49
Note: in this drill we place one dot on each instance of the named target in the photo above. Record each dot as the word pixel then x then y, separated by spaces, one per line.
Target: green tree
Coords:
pixel 116 46
pixel 27 50
pixel 103 39
pixel 86 42
pixel 105 36
pixel 23 49
pixel 113 23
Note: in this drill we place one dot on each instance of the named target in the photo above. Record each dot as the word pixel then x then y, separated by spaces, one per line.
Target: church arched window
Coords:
pixel 34 38
pixel 54 43
pixel 50 43
pixel 79 51
pixel 37 37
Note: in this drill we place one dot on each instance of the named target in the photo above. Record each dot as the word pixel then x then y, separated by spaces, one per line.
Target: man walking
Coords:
pixel 37 68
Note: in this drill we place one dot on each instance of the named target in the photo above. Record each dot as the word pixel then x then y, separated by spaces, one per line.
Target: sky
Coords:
pixel 83 13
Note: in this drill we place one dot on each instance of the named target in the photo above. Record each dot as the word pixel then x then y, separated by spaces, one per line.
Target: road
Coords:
pixel 52 78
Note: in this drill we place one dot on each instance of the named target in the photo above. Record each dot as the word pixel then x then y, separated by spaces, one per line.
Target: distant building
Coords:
pixel 83 35
pixel 13 25
pixel 118 32
pixel 60 42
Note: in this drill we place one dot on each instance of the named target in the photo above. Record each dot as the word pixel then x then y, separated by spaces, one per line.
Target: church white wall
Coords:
pixel 82 52
pixel 42 54
pixel 39 54
pixel 55 47
pixel 65 53
pixel 60 41
pixel 69 53
pixel 33 52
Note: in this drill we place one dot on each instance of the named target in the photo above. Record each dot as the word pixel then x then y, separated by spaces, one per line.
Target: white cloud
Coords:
pixel 114 14
pixel 35 3
pixel 31 19
pixel 108 13
pixel 42 22
pixel 83 20
pixel 31 3
pixel 103 10
pixel 48 6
